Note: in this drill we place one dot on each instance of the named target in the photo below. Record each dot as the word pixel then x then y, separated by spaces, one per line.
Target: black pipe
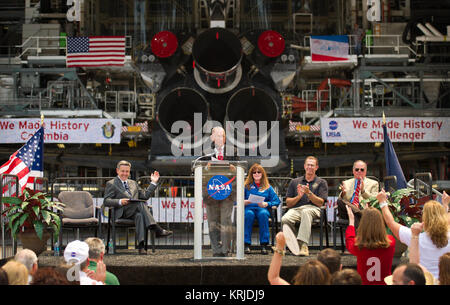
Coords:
pixel 251 104
pixel 180 104
pixel 217 55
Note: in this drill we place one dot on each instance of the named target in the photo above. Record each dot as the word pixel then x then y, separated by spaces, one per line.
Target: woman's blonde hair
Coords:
pixel 444 269
pixel 264 180
pixel 371 230
pixel 312 272
pixel 17 273
pixel 435 223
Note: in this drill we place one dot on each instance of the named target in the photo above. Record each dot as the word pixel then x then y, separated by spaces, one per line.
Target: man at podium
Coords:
pixel 219 211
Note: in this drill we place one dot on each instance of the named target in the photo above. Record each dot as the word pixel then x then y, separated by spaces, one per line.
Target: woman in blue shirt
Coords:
pixel 258 184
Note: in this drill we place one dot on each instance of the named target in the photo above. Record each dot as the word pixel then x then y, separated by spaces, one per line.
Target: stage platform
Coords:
pixel 177 267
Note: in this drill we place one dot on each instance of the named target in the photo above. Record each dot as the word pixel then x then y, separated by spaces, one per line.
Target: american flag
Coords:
pixel 95 51
pixel 27 162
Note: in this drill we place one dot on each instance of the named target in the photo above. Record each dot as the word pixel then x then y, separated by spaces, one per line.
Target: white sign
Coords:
pixel 174 209
pixel 62 130
pixel 331 204
pixel 400 129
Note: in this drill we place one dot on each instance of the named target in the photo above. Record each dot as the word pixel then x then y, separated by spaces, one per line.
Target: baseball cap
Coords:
pixel 76 252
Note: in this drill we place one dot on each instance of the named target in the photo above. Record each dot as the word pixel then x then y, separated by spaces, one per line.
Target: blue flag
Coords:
pixel 393 167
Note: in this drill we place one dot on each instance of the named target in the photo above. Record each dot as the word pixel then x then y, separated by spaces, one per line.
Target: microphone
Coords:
pixel 204 156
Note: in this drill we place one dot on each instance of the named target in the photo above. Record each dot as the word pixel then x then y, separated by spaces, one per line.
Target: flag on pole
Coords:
pixel 95 51
pixel 27 162
pixel 329 48
pixel 393 167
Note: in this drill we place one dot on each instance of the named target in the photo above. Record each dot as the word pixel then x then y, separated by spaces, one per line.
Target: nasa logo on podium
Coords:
pixel 219 187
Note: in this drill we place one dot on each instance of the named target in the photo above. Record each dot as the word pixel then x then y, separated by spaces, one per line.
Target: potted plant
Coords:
pixel 405 207
pixel 30 216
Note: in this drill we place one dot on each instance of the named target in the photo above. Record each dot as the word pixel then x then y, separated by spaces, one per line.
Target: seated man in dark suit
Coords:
pixel 118 193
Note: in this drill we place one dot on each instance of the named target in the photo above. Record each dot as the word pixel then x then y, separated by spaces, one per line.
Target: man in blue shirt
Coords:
pixel 304 197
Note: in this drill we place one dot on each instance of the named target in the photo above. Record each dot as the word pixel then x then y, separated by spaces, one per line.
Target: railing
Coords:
pixel 47 45
pixel 40 184
pixel 9 186
pixel 35 45
pixel 173 201
pixel 316 98
pixel 120 101
pixel 387 44
pixel 379 44
pixel 424 188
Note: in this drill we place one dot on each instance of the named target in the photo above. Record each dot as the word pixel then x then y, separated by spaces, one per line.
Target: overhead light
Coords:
pixel 377 144
pixel 60 145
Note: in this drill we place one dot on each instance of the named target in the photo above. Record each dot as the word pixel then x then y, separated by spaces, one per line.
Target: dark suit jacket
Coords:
pixel 235 157
pixel 115 191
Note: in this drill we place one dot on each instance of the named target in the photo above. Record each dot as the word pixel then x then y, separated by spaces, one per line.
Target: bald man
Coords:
pixel 355 190
pixel 219 211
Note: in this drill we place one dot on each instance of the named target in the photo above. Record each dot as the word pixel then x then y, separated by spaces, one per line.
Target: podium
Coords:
pixel 219 185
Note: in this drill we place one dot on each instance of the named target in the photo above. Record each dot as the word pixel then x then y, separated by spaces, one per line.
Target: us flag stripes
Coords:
pixel 27 162
pixel 95 51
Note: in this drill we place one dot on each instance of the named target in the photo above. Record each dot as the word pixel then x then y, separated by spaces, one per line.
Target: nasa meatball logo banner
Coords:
pixel 219 187
pixel 400 129
pixel 62 130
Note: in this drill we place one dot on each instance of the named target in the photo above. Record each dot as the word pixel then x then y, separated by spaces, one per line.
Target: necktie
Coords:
pixel 356 195
pixel 125 184
pixel 220 156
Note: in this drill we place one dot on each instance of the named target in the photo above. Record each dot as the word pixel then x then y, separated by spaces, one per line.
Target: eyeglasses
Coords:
pixel 257 172
pixel 359 169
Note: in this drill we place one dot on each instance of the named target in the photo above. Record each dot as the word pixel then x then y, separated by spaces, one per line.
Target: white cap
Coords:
pixel 76 252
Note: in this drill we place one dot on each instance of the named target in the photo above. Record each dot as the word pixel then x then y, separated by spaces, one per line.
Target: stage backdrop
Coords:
pixel 400 129
pixel 62 130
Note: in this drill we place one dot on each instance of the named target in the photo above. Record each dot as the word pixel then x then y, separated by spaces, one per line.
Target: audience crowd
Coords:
pixel 374 250
pixel 83 265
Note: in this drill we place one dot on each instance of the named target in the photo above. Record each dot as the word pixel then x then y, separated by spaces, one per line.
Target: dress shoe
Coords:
pixel 247 249
pixel 142 251
pixel 163 233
